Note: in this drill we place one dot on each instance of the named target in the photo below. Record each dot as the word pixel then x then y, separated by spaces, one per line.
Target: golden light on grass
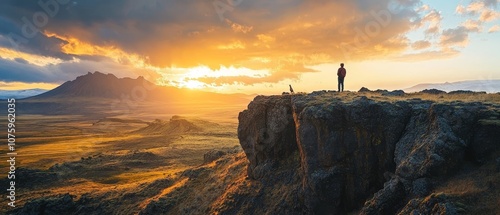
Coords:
pixel 164 192
pixel 148 176
pixel 47 154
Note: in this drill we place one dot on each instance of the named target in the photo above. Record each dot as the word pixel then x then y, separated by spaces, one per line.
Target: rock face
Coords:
pixel 345 149
pixel 267 133
pixel 363 154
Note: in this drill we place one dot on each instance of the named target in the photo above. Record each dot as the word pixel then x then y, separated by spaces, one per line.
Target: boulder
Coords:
pixel 433 91
pixel 394 93
pixel 364 90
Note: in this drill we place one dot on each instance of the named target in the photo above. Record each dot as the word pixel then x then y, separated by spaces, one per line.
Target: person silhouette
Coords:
pixel 341 73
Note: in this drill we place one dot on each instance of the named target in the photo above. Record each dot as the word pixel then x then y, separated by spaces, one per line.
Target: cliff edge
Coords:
pixel 365 155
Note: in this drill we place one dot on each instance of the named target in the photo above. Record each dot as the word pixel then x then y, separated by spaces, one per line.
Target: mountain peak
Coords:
pixel 97 74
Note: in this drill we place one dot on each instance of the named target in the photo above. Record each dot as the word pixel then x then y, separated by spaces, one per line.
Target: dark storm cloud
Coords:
pixel 11 31
pixel 16 71
pixel 128 24
pixel 20 70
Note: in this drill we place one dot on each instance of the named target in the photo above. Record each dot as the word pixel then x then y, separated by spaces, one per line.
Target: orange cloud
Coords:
pixel 38 60
pixel 481 8
pixel 239 28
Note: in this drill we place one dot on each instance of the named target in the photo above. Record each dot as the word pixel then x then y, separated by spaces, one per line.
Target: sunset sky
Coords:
pixel 250 46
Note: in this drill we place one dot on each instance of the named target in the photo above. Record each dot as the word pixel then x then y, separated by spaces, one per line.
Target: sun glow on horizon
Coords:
pixel 195 77
pixel 25 86
pixel 193 84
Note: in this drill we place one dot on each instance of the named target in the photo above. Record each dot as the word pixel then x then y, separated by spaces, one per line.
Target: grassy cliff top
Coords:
pixel 384 96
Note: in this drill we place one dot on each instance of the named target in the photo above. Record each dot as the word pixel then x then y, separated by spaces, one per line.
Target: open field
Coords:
pixel 115 152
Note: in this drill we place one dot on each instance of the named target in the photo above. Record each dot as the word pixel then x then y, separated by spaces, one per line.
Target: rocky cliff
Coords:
pixel 364 155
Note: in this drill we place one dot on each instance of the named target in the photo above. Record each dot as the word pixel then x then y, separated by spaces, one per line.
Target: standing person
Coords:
pixel 341 74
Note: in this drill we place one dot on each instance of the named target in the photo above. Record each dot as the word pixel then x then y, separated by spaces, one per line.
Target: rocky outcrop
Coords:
pixel 383 92
pixel 394 93
pixel 176 125
pixel 433 91
pixel 267 133
pixel 360 153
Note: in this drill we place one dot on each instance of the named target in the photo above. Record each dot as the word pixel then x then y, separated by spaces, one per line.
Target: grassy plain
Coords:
pixel 108 154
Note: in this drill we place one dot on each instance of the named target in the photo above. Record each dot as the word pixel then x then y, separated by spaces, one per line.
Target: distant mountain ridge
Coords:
pixel 108 86
pixel 98 95
pixel 489 86
pixel 96 84
pixel 20 94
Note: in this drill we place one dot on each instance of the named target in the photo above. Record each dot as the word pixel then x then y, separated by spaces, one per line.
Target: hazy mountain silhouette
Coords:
pixel 489 86
pixel 95 93
pixel 98 84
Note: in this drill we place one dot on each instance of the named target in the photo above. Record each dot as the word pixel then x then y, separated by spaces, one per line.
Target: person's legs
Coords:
pixel 339 79
pixel 341 82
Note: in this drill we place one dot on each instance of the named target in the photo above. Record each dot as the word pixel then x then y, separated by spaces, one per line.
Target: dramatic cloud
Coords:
pixel 190 33
pixel 478 12
pixel 433 19
pixel 54 39
pixel 20 70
